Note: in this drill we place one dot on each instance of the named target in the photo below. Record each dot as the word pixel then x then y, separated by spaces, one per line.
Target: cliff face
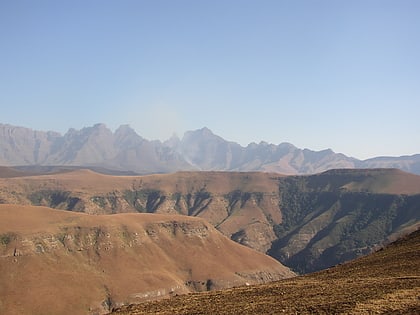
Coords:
pixel 68 263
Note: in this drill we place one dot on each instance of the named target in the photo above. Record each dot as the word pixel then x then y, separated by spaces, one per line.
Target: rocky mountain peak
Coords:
pixel 124 130
pixel 199 134
pixel 205 131
pixel 198 149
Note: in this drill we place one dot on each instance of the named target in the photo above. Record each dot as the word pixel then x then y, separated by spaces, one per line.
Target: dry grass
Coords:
pixel 387 282
pixel 387 181
pixel 61 262
pixel 86 181
pixel 91 182
pixel 9 172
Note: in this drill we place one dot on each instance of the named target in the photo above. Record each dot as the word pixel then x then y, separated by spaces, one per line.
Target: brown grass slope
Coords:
pixel 9 172
pixel 388 181
pixel 61 262
pixel 386 282
pixel 229 201
pixel 377 180
pixel 326 218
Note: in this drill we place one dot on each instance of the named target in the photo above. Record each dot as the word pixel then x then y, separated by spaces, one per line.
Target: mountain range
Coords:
pixel 99 148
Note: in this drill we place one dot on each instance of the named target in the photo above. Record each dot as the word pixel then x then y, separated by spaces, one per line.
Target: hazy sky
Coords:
pixel 332 74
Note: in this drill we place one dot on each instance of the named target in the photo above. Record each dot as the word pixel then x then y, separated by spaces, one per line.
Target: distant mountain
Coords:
pixel 124 150
pixel 207 151
pixel 94 146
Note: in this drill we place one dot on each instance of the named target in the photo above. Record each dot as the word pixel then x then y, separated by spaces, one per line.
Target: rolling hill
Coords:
pixel 62 262
pixel 306 222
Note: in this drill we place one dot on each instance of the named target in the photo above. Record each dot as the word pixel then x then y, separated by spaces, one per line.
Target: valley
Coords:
pixel 386 282
pixel 209 157
pixel 306 222
pixel 95 242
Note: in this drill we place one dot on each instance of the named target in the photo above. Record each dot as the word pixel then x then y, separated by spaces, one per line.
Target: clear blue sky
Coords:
pixel 332 74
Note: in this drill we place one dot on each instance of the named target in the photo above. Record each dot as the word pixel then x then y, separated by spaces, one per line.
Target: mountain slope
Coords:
pixel 208 151
pixel 59 262
pixel 124 150
pixel 386 282
pixel 341 214
pixel 233 202
pixel 94 146
pixel 306 222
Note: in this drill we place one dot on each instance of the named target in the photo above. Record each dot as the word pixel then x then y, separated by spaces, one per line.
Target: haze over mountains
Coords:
pixel 126 151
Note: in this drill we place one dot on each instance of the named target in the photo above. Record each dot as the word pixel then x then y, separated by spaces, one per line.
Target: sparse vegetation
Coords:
pixel 6 238
pixel 61 237
pixel 177 197
pixel 198 201
pixel 133 197
pixel 55 199
pixel 235 197
pixel 154 199
pixel 356 221
pixel 108 202
pixel 100 201
pixel 144 200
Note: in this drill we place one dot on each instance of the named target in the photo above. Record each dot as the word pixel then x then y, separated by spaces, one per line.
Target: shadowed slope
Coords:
pixel 339 215
pixel 60 262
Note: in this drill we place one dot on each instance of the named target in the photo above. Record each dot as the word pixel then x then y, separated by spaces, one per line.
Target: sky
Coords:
pixel 332 74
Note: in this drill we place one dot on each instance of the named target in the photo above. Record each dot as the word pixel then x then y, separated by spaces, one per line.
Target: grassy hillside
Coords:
pixel 386 282
pixel 240 204
pixel 307 222
pixel 61 262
